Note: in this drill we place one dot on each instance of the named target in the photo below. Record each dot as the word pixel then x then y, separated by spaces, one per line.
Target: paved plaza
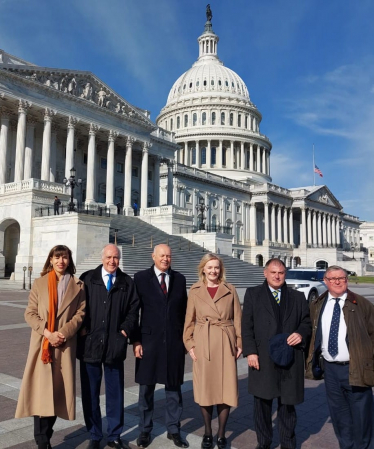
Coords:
pixel 314 428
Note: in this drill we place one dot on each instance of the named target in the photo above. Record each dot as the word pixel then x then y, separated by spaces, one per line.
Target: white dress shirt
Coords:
pixel 105 276
pixel 167 277
pixel 343 353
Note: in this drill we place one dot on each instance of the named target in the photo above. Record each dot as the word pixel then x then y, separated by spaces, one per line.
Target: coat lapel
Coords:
pixel 222 291
pixel 265 297
pixel 71 292
pixel 202 292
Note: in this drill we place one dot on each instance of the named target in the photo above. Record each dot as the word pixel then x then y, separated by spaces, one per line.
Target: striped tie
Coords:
pixel 163 284
pixel 276 296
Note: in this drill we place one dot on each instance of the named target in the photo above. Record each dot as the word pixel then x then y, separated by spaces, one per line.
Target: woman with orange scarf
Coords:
pixel 55 313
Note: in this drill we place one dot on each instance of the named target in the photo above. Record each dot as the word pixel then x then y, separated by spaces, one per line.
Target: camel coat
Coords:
pixel 49 389
pixel 213 328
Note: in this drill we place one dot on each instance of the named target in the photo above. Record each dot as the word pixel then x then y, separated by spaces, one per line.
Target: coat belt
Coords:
pixel 223 324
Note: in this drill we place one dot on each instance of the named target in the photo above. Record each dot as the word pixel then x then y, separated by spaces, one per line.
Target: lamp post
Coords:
pixel 354 248
pixel 72 183
pixel 24 277
pixel 30 271
pixel 201 208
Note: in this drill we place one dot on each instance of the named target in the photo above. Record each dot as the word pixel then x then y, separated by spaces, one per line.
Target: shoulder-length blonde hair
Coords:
pixel 57 251
pixel 207 258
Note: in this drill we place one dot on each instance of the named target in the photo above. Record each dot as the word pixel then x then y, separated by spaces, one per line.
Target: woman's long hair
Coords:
pixel 207 258
pixel 57 251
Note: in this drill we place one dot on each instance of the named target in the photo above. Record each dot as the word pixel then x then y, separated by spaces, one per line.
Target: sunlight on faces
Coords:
pixel 275 274
pixel 212 271
pixel 60 262
pixel 336 288
pixel 110 259
pixel 162 257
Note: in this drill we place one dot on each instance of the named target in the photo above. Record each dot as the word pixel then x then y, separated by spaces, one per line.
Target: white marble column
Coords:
pixel 324 239
pixel 258 154
pixel 292 242
pixel 279 224
pixel 309 234
pixel 264 160
pixel 20 145
pixel 251 156
pixel 232 165
pixel 3 146
pixel 46 149
pixel 91 162
pixel 253 224
pixel 29 148
pixel 303 226
pixel 273 236
pixel 285 224
pixel 52 169
pixel 268 162
pixel 266 221
pixel 209 155
pixel 333 230
pixel 319 229
pixel 70 141
pixel 170 183
pixel 186 158
pixel 127 207
pixel 242 156
pixel 110 169
pixel 144 177
pixel 328 224
pixel 198 155
pixel 219 155
pixel 223 210
pixel 314 220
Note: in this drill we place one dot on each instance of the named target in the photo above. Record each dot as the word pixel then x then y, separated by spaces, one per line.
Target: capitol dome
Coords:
pixel 218 127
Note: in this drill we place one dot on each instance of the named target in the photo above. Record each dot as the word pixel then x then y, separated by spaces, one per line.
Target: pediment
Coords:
pixel 324 196
pixel 80 84
pixel 8 59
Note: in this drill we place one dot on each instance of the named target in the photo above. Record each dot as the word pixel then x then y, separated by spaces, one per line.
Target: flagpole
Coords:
pixel 314 172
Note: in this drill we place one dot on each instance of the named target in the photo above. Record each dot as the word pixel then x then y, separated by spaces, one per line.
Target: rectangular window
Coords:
pixel 228 206
pixel 135 172
pixel 188 197
pixel 238 209
pixel 214 156
pixel 103 162
pixel 119 167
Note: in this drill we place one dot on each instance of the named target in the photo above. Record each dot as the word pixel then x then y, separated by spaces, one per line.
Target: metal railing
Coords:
pixel 80 208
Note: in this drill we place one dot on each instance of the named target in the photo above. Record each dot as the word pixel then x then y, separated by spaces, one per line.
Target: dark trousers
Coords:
pixel 350 408
pixel 43 429
pixel 173 408
pixel 263 424
pixel 91 375
pixel 56 210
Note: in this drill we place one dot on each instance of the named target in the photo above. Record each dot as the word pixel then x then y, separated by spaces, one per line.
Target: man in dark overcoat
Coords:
pixel 271 309
pixel 159 349
pixel 112 315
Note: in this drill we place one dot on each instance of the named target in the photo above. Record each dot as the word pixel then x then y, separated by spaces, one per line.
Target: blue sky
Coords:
pixel 308 66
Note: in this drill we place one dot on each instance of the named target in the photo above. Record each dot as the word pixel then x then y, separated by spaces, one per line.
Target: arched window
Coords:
pixel 212 82
pixel 213 156
pixel 185 120
pixel 178 122
pixel 203 118
pixel 214 223
pixel 219 82
pixel 194 119
pixel 193 156
pixel 204 82
pixel 213 118
pixel 246 121
pixel 239 120
pixel 203 155
pixel 231 119
pixel 171 124
pixel 222 118
pixel 197 83
pixel 223 156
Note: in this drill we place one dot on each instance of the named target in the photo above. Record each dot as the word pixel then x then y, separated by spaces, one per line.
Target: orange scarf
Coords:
pixel 52 309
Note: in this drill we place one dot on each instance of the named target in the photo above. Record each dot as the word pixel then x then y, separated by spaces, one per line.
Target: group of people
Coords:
pixel 94 318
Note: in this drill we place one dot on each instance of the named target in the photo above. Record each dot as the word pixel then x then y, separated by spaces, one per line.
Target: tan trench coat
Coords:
pixel 49 389
pixel 213 328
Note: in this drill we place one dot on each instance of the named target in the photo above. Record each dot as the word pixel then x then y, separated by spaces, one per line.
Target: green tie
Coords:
pixel 276 296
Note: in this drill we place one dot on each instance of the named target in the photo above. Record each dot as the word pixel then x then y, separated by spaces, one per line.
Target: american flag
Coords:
pixel 317 170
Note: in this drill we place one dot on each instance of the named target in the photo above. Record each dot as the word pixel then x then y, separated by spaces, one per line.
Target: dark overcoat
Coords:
pixel 259 324
pixel 107 314
pixel 161 329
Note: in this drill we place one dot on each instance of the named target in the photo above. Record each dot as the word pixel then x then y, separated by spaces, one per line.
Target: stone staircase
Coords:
pixel 137 239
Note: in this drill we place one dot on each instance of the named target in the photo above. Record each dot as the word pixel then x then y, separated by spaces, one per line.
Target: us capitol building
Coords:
pixel 202 171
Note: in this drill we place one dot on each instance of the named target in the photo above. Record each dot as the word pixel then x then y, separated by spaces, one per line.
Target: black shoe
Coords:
pixel 207 442
pixel 144 439
pixel 221 443
pixel 93 444
pixel 118 444
pixel 177 439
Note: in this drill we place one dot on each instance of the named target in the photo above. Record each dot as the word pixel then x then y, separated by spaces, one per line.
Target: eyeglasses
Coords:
pixel 341 279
